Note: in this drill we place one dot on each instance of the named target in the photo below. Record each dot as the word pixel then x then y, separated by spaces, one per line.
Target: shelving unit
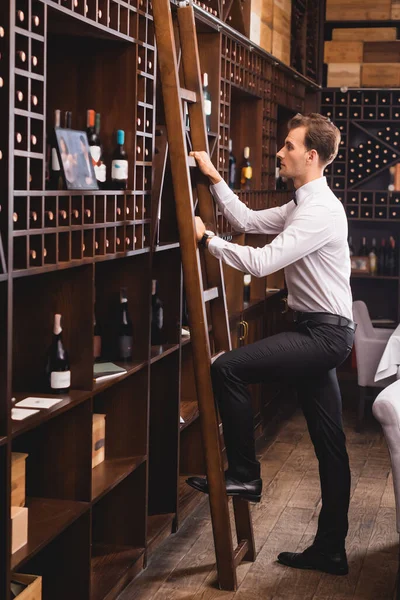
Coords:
pixel 372 209
pixel 62 251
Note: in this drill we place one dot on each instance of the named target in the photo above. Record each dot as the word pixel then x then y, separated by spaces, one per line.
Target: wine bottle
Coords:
pixel 119 166
pixel 363 248
pixel 351 247
pixel 93 133
pixel 58 369
pixel 246 287
pixel 55 181
pixel 391 258
pixel 207 102
pixel 232 167
pixel 157 316
pixel 373 258
pixel 382 258
pixel 125 332
pixel 247 171
pixel 96 337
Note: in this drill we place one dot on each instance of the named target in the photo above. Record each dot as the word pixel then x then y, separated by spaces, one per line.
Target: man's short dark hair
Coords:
pixel 321 135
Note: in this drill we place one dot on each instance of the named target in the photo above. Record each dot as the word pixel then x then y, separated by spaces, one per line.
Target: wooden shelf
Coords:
pixel 160 352
pixel 165 247
pixel 158 526
pixel 47 519
pixel 112 567
pixel 131 368
pixel 3 441
pixel 110 473
pixel 189 411
pixel 68 401
pixel 373 277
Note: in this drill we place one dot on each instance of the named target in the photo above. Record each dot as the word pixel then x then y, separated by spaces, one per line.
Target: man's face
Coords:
pixel 294 154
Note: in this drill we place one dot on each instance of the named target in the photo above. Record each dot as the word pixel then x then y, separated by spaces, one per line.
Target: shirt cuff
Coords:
pixel 216 246
pixel 221 189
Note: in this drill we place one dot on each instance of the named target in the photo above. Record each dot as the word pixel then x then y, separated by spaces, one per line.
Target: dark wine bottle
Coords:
pixel 232 167
pixel 119 167
pixel 207 102
pixel 55 181
pixel 96 337
pixel 363 248
pixel 373 258
pixel 125 331
pixel 58 369
pixel 382 258
pixel 391 258
pixel 95 147
pixel 157 316
pixel 247 171
pixel 351 247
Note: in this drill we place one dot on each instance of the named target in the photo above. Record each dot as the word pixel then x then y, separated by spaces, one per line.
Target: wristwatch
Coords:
pixel 206 236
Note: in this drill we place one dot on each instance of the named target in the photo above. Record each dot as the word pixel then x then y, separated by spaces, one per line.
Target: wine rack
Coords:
pixel 64 251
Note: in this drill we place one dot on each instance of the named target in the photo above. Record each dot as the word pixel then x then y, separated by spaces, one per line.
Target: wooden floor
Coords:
pixel 183 567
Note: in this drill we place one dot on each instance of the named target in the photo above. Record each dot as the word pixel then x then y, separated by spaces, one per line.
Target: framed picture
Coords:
pixel 359 264
pixel 75 159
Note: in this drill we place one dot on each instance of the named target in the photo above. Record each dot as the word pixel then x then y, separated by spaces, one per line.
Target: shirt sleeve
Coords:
pixel 312 228
pixel 242 218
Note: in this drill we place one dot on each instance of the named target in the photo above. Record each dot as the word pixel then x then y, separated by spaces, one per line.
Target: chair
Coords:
pixel 370 343
pixel 386 410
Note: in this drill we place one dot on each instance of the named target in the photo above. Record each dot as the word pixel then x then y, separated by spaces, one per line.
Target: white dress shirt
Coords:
pixel 311 246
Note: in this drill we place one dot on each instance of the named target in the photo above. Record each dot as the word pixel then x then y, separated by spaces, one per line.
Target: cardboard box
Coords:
pixel 365 34
pixel 381 52
pixel 344 75
pixel 34 589
pixel 343 52
pixel 18 471
pixel 380 75
pixel 19 527
pixel 395 11
pixel 281 47
pixel 98 439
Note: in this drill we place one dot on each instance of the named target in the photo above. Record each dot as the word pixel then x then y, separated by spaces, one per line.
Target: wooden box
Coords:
pixel 34 589
pixel 98 439
pixel 343 52
pixel 281 47
pixel 358 10
pixel 365 34
pixel 18 478
pixel 19 527
pixel 382 52
pixel 282 18
pixel 395 11
pixel 380 75
pixel 342 74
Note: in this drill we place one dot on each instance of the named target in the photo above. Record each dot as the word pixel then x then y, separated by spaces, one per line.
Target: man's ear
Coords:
pixel 313 156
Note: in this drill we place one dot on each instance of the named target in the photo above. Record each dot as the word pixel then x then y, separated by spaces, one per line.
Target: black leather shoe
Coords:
pixel 250 491
pixel 312 558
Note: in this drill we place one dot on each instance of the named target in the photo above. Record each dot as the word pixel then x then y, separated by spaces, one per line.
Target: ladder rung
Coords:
pixel 215 356
pixel 188 95
pixel 240 552
pixel 210 294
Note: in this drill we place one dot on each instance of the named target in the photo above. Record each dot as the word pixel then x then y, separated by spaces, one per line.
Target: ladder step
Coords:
pixel 188 95
pixel 240 552
pixel 215 356
pixel 210 294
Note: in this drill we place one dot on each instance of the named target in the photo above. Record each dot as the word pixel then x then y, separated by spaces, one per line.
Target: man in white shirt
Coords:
pixel 311 245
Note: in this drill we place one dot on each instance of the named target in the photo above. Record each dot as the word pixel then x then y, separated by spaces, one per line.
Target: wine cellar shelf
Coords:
pixel 83 253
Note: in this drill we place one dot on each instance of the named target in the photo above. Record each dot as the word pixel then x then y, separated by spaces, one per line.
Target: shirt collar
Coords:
pixel 307 189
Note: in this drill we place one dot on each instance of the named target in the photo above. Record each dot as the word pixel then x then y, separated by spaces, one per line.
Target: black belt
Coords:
pixel 327 318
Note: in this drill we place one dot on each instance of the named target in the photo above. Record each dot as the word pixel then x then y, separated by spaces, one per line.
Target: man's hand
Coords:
pixel 200 228
pixel 205 165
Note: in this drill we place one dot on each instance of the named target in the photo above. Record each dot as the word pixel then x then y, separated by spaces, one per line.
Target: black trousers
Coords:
pixel 308 355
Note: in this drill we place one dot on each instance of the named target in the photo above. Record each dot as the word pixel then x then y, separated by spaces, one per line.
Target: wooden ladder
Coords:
pixel 202 284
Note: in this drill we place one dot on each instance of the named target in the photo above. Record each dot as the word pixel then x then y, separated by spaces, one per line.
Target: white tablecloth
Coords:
pixel 390 361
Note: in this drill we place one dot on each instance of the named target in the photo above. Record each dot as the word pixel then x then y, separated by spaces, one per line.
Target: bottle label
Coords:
pixel 125 346
pixel 55 163
pixel 95 153
pixel 100 172
pixel 60 380
pixel 207 107
pixel 247 279
pixel 247 173
pixel 119 169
